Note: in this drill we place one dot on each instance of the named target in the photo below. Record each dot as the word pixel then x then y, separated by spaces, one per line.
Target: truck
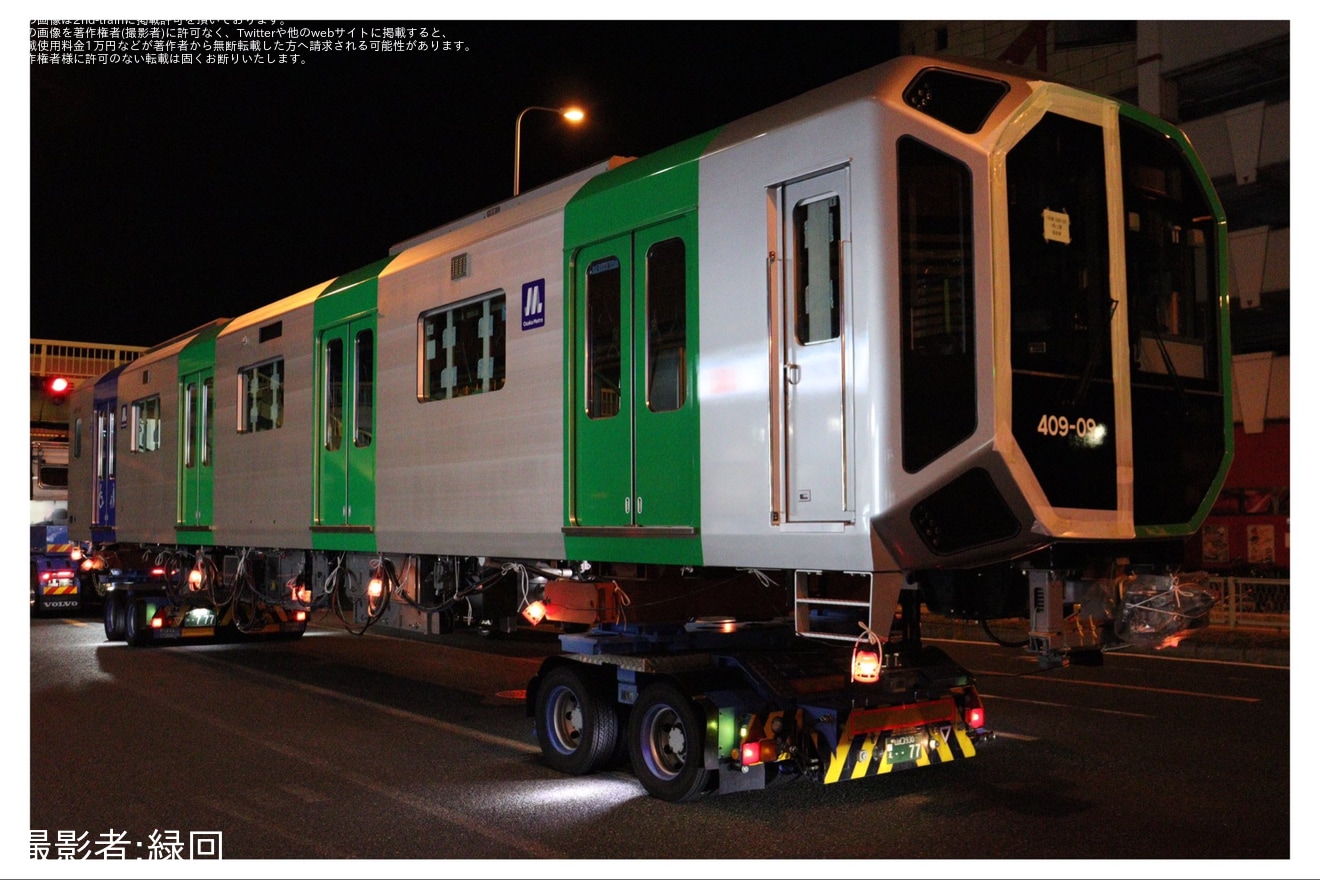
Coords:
pixel 55 584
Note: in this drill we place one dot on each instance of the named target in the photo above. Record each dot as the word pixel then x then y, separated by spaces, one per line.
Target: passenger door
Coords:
pixel 196 449
pixel 636 435
pixel 814 234
pixel 346 458
pixel 103 513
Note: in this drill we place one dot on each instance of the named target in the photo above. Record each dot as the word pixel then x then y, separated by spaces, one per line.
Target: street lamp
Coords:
pixel 572 114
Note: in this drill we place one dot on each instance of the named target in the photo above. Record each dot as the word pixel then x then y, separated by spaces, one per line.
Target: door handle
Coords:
pixel 792 373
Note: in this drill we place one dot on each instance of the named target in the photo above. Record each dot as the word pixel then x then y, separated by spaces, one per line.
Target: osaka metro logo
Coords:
pixel 533 304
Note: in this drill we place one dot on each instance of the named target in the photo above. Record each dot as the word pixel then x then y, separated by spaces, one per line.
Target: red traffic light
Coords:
pixel 58 388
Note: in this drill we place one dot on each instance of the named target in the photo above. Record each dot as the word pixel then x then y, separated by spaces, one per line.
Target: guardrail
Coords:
pixel 1245 601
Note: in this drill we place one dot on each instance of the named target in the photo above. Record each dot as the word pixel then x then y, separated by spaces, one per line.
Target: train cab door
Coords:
pixel 635 429
pixel 346 454
pixel 814 232
pixel 103 468
pixel 196 449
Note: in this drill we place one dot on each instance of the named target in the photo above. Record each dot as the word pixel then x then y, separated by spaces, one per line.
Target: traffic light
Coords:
pixel 57 389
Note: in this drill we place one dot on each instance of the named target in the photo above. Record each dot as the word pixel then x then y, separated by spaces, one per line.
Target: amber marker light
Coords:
pixel 866 666
pixel 534 612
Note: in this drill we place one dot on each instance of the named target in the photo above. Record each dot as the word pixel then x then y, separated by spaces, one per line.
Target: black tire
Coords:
pixel 666 741
pixel 576 722
pixel 136 630
pixel 114 617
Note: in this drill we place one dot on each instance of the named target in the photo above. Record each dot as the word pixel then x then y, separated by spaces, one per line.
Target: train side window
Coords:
pixel 364 358
pixel 816 232
pixel 334 394
pixel 935 282
pixel 190 415
pixel 604 338
pixel 144 425
pixel 461 348
pixel 261 397
pixel 208 420
pixel 666 325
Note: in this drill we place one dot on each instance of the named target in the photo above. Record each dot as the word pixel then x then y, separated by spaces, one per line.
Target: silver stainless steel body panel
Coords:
pixel 147 504
pixel 263 486
pixel 481 474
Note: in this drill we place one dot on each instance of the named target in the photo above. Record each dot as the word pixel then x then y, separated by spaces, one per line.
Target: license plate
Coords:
pixel 903 749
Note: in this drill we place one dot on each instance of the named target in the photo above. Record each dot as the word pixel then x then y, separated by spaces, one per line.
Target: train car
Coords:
pixel 937 336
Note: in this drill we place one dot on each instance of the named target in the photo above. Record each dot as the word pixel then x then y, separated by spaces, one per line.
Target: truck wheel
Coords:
pixel 114 617
pixel 576 723
pixel 666 741
pixel 136 631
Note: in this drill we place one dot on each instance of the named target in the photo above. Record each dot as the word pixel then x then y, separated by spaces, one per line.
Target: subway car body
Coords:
pixel 936 335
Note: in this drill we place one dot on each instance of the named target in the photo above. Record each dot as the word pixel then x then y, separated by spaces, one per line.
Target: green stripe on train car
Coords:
pixel 632 438
pixel 195 484
pixel 343 515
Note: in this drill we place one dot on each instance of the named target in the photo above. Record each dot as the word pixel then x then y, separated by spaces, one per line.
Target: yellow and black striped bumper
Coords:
pixel 878 741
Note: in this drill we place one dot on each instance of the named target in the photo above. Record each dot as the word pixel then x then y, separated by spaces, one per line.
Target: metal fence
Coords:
pixel 1244 601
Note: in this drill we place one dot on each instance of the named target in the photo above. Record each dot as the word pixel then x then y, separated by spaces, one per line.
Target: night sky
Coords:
pixel 164 196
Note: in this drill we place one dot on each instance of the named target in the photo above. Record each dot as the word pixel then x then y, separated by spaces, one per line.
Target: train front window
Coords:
pixel 1059 250
pixel 1170 237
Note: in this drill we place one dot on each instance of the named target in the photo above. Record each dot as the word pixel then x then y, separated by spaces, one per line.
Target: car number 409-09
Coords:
pixel 1062 426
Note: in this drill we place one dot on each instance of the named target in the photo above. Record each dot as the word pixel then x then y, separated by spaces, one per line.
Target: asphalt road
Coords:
pixel 374 747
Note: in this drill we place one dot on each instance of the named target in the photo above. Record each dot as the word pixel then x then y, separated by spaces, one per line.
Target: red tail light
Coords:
pixel 300 616
pixel 758 752
pixel 975 717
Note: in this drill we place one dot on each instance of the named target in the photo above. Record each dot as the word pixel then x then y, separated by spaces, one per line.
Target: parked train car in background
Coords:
pixel 936 336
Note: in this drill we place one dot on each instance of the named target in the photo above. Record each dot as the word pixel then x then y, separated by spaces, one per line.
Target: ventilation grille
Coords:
pixel 458 267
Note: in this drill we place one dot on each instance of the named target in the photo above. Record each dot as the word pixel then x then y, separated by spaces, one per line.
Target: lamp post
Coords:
pixel 572 114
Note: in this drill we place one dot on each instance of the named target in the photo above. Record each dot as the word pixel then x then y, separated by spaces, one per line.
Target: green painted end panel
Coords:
pixel 1225 344
pixel 344 471
pixel 653 551
pixel 195 486
pixel 199 353
pixel 622 212
pixel 348 295
pixel 360 542
pixel 636 194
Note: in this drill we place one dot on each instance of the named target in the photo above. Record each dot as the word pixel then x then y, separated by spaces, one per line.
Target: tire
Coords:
pixel 576 722
pixel 136 631
pixel 114 617
pixel 666 741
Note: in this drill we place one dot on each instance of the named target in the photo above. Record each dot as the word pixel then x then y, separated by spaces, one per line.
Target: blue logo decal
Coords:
pixel 533 304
